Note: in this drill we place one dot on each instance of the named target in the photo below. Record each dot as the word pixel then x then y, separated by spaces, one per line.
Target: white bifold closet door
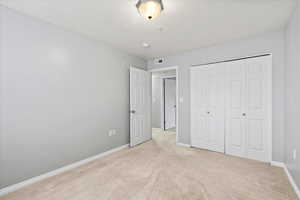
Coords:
pixel 231 105
pixel 207 107
pixel 248 106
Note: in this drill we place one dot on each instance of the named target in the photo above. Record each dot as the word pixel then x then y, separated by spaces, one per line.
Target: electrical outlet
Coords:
pixel 112 132
pixel 294 154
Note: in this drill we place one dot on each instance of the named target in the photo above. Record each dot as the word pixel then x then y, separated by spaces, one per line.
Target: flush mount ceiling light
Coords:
pixel 149 9
pixel 146 45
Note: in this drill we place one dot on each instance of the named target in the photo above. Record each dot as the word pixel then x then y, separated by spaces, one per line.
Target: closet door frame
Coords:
pixel 270 105
pixel 269 97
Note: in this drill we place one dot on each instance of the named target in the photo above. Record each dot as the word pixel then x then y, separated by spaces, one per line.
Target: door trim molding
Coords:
pixel 270 104
pixel 177 94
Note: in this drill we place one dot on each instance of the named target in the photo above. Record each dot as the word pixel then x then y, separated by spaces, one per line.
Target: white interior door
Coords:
pixel 140 106
pixel 207 107
pixel 170 102
pixel 248 121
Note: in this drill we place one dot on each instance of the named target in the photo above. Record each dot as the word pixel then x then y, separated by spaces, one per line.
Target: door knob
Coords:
pixel 244 114
pixel 132 111
pixel 208 112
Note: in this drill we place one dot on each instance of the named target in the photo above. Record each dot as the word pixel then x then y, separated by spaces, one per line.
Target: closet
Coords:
pixel 231 104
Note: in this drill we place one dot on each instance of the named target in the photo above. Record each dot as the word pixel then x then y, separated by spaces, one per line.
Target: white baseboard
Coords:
pixel 277 164
pixel 286 170
pixel 292 181
pixel 181 144
pixel 22 184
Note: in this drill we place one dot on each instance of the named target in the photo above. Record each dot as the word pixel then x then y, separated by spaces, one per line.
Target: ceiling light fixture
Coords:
pixel 146 45
pixel 150 9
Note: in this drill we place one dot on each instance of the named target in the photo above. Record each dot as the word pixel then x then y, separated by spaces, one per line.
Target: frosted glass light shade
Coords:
pixel 149 9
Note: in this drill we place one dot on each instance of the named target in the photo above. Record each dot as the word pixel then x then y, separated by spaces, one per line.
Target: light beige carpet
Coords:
pixel 159 169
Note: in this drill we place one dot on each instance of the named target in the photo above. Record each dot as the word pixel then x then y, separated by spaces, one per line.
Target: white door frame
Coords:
pixel 177 93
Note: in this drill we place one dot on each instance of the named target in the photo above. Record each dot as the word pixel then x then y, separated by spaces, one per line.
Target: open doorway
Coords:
pixel 169 103
pixel 164 104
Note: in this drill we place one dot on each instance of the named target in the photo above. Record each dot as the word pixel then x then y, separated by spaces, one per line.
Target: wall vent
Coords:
pixel 158 61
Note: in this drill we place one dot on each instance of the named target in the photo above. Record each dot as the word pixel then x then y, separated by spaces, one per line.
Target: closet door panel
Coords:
pixel 247 120
pixel 255 132
pixel 236 127
pixel 211 109
pixel 199 103
pixel 207 107
pixel 215 111
pixel 256 108
pixel 235 98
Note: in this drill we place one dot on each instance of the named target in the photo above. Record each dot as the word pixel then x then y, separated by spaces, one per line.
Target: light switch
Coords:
pixel 294 154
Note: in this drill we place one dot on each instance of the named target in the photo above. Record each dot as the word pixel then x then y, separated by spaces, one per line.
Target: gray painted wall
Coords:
pixel 156 101
pixel 60 94
pixel 293 95
pixel 268 43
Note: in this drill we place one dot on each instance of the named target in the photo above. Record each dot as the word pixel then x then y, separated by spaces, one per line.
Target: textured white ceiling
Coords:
pixel 184 24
